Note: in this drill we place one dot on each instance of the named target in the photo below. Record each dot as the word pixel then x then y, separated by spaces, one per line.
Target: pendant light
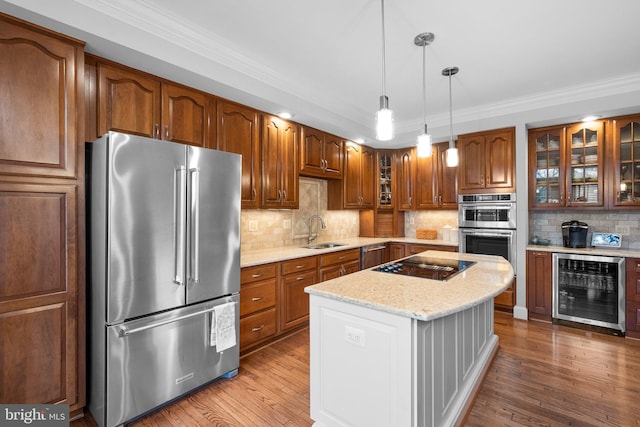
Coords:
pixel 424 139
pixel 452 152
pixel 384 116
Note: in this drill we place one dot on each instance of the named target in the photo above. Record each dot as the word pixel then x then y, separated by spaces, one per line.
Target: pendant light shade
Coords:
pixel 452 152
pixel 424 139
pixel 384 116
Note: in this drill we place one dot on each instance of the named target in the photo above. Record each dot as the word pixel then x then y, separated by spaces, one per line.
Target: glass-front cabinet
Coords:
pixel 585 164
pixel 386 170
pixel 626 161
pixel 546 157
pixel 566 166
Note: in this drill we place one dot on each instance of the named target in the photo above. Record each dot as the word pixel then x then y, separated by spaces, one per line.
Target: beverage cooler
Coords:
pixel 589 289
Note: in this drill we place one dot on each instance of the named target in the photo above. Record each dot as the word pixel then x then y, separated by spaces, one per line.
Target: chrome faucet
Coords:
pixel 311 237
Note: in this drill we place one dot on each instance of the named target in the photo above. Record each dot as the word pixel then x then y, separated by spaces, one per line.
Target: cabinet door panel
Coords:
pixel 472 162
pixel 128 102
pixel 311 151
pixel 352 176
pixel 539 283
pixel 367 169
pixel 238 132
pixel 185 116
pixel 294 300
pixel 333 149
pixel 426 181
pixel 37 354
pixel 288 158
pixel 447 180
pixel 405 179
pixel 37 224
pixel 499 160
pixel 270 171
pixel 38 99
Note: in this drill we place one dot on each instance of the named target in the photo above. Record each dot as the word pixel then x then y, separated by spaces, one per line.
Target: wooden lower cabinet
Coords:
pixel 632 296
pixel 507 299
pixel 539 285
pixel 258 320
pixel 338 264
pixel 297 274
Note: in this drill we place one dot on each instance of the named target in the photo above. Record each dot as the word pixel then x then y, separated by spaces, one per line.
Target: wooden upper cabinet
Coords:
pixel 447 179
pixel 279 154
pixel 40 74
pixel 185 116
pixel 406 178
pixel 356 189
pixel 238 131
pixel 320 154
pixel 625 164
pixel 137 103
pixel 426 181
pixel 487 162
pixel 128 102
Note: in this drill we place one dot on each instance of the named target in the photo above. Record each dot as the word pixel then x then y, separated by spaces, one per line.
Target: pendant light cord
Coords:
pixel 450 114
pixel 424 86
pixel 384 86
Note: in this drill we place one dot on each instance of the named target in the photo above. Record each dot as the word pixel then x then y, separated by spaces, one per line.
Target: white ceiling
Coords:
pixel 530 62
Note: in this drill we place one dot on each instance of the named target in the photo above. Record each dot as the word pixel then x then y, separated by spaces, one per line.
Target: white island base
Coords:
pixel 374 368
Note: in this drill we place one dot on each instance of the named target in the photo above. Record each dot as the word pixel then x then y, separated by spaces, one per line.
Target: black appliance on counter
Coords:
pixel 574 234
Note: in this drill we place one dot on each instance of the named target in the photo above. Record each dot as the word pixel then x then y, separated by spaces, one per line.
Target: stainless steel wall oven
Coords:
pixel 487 225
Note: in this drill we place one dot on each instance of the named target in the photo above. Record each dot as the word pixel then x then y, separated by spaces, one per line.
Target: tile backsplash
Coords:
pixel 264 229
pixel 434 220
pixel 548 224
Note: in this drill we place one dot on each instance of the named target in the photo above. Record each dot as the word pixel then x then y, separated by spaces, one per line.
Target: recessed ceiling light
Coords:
pixel 590 118
pixel 284 115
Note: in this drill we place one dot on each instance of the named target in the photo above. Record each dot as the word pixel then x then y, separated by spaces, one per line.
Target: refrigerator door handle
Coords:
pixel 194 268
pixel 179 224
pixel 125 331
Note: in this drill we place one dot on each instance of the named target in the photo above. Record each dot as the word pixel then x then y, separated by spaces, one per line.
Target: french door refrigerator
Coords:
pixel 164 271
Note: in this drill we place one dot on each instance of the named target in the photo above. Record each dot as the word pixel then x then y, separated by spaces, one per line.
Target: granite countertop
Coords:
pixel 630 253
pixel 264 256
pixel 418 298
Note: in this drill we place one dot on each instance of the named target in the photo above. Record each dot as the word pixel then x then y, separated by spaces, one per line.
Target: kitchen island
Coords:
pixel 394 350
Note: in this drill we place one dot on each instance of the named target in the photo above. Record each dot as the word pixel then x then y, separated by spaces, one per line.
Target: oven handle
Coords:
pixel 497 233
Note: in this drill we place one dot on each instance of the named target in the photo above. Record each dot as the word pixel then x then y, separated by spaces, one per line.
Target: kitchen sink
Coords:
pixel 323 245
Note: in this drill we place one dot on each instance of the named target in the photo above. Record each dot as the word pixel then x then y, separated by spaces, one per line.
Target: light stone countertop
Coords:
pixel 631 253
pixel 420 298
pixel 265 256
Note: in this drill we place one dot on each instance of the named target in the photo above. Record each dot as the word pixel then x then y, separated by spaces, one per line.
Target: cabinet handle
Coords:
pixel 279 195
pixel 166 133
pixel 253 192
pixel 156 131
pixel 440 200
pixel 618 196
pixel 481 179
pixel 410 201
pixel 341 258
pixel 258 329
pixel 255 299
pixel 300 278
pixel 255 276
pixel 284 195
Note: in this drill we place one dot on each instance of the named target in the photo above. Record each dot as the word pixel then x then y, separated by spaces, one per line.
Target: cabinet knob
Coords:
pixel 156 131
pixel 166 133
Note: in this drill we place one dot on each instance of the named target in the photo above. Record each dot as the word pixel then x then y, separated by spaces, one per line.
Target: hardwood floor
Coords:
pixel 543 375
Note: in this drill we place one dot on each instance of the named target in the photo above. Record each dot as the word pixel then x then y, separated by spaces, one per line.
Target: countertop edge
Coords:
pixel 473 292
pixel 613 252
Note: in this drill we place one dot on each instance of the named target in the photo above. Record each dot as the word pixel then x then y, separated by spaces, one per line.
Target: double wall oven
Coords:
pixel 487 225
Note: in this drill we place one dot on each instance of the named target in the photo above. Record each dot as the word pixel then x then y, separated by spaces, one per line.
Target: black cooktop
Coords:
pixel 426 267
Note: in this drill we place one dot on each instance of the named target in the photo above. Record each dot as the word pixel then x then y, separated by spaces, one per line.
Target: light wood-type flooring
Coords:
pixel 543 375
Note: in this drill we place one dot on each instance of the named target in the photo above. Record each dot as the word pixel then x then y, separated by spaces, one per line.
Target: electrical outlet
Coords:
pixel 623 230
pixel 354 336
pixel 412 220
pixel 253 225
pixel 286 224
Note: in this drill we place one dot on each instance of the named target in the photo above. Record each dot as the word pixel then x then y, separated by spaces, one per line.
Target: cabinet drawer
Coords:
pixel 257 273
pixel 299 264
pixel 256 327
pixel 505 299
pixel 339 257
pixel 258 296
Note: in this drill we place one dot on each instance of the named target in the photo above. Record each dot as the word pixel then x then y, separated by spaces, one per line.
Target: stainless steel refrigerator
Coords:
pixel 164 272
